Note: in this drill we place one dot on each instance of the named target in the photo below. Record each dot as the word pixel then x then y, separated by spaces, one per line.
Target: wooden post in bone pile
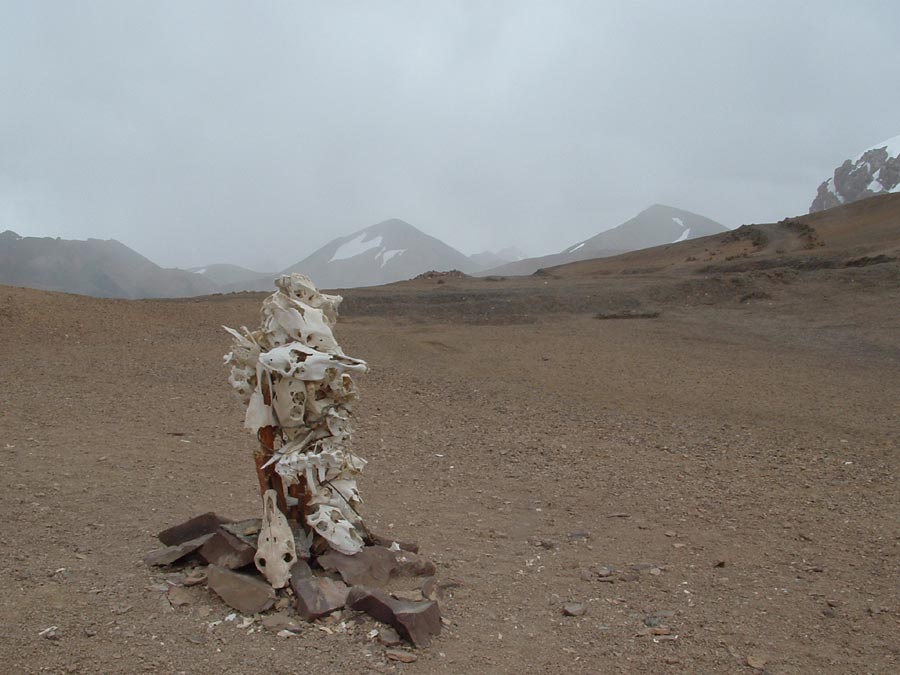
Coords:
pixel 298 387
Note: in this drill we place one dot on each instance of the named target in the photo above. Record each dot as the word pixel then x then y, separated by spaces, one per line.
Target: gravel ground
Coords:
pixel 716 487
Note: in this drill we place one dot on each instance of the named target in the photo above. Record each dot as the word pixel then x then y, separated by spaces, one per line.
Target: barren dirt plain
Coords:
pixel 726 470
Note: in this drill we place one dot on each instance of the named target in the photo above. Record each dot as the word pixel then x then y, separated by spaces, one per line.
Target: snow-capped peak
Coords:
pixel 875 171
pixel 892 145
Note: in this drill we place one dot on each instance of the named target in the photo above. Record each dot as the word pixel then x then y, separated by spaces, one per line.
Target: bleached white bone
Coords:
pixel 318 467
pixel 275 549
pixel 305 363
pixel 289 402
pixel 339 532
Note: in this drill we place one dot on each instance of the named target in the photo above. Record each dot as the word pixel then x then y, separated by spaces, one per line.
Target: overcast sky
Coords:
pixel 255 132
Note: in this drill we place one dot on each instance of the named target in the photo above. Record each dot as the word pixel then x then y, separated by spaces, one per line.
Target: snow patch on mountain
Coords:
pixel 389 251
pixel 387 255
pixel 684 236
pixel 355 247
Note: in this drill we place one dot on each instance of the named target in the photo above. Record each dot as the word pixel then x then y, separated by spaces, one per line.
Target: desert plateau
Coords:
pixel 679 460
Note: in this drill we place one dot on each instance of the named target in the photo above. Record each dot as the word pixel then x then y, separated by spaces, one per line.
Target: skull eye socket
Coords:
pixel 261 562
pixel 287 557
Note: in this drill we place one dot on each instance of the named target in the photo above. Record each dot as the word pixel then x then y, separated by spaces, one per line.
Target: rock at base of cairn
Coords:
pixel 205 523
pixel 375 565
pixel 174 553
pixel 246 594
pixel 318 596
pixel 418 622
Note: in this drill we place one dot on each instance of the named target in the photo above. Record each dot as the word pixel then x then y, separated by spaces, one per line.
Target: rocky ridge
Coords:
pixel 875 171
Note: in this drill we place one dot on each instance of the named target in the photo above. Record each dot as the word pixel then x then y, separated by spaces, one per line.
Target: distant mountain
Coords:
pixel 861 234
pixel 488 259
pixel 225 274
pixel 875 171
pixel 380 254
pixel 654 226
pixel 103 268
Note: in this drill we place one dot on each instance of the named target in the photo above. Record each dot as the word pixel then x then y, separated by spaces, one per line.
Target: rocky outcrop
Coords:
pixel 874 172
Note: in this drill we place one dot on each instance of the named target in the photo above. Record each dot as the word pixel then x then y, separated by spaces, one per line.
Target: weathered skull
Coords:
pixel 340 533
pixel 275 550
pixel 289 401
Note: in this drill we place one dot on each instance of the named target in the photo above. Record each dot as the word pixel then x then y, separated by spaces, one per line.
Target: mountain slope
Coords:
pixel 653 226
pixel 223 274
pixel 102 268
pixel 875 171
pixel 489 259
pixel 866 232
pixel 390 251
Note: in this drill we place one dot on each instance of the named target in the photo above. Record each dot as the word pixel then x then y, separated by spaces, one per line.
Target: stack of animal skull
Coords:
pixel 292 375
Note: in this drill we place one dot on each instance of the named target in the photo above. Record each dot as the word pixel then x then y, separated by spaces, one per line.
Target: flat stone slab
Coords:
pixel 418 622
pixel 375 565
pixel 171 554
pixel 206 523
pixel 246 594
pixel 372 566
pixel 226 550
pixel 318 596
pixel 245 530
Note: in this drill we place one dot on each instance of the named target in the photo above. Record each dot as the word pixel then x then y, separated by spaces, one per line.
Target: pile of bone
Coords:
pixel 294 378
pixel 219 552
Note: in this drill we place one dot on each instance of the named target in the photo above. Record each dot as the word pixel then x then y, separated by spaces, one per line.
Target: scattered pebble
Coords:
pixel 400 655
pixel 388 636
pixel 50 633
pixel 756 662
pixel 179 597
pixel 573 609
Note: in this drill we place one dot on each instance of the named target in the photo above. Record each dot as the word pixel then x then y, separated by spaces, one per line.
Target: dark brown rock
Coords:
pixel 417 622
pixel 197 526
pixel 318 596
pixel 226 550
pixel 412 565
pixel 244 593
pixel 373 565
pixel 245 530
pixel 300 570
pixel 171 554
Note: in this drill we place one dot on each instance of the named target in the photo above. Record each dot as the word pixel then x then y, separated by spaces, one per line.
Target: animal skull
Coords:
pixel 340 533
pixel 275 549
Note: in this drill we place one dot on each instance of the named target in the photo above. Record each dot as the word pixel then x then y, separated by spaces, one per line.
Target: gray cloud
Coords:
pixel 187 130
